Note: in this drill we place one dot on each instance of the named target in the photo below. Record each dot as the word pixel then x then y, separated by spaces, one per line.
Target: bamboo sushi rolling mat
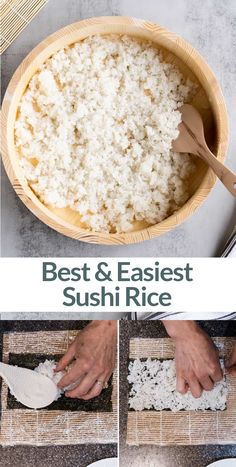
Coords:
pixel 91 422
pixel 15 16
pixel 185 427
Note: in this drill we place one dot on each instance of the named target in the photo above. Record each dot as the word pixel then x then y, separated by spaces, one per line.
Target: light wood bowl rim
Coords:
pixel 24 191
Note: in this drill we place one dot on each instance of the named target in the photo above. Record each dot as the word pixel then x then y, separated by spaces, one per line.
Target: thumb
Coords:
pixel 66 359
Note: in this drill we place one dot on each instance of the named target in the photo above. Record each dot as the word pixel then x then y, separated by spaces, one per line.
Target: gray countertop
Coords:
pixel 59 456
pixel 163 456
pixel 209 26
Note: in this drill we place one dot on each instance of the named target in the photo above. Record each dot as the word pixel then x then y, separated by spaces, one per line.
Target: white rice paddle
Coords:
pixel 191 139
pixel 30 388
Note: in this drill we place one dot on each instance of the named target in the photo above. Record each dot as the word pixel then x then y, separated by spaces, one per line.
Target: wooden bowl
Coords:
pixel 209 101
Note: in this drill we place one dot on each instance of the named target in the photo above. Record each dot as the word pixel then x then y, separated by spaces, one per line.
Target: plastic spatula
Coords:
pixel 30 388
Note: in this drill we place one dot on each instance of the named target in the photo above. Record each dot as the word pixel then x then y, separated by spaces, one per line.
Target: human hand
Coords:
pixel 230 364
pixel 196 358
pixel 93 354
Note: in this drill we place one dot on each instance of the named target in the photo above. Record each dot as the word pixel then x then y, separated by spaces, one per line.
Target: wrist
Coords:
pixel 104 324
pixel 181 329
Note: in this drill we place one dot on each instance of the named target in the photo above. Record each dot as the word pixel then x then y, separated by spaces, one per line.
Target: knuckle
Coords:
pixel 189 374
pixel 202 375
pixel 100 367
pixel 182 377
pixel 86 366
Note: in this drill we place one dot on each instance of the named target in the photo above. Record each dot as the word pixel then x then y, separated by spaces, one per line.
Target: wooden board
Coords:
pixel 15 16
pixel 209 101
pixel 185 427
pixel 49 427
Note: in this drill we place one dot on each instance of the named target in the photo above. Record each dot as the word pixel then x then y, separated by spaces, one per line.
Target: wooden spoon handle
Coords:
pixel 227 177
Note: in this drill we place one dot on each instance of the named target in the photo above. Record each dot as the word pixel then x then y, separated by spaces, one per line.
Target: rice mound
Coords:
pixel 47 369
pixel 153 386
pixel 94 130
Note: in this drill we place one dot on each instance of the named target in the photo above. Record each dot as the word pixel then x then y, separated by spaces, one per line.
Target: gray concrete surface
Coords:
pixel 209 26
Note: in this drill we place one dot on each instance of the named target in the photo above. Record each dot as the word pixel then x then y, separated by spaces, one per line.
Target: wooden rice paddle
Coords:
pixel 191 139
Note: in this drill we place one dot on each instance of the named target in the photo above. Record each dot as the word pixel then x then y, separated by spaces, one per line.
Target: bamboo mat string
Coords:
pixel 15 16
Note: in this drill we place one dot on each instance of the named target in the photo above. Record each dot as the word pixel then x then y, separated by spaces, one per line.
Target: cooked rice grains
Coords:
pixel 94 132
pixel 47 368
pixel 153 386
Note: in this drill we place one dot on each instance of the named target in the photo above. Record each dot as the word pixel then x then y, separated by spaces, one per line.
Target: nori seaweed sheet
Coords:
pixel 101 403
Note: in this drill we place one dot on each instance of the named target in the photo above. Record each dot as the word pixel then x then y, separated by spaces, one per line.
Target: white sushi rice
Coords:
pixel 153 386
pixel 47 369
pixel 94 131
